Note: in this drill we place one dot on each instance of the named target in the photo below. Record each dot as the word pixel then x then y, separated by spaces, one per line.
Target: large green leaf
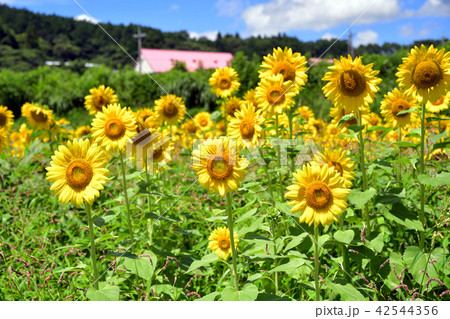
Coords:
pixel 439 179
pixel 345 236
pixel 141 267
pixel 359 199
pixel 248 293
pixel 295 241
pixel 403 216
pixel 106 292
pixel 346 291
pixel 206 260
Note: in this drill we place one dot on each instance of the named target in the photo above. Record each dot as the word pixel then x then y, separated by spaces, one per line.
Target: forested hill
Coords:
pixel 28 39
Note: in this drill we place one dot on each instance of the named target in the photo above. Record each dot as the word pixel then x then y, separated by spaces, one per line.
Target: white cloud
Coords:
pixel 229 8
pixel 174 7
pixel 85 17
pixel 285 15
pixel 365 37
pixel 210 35
pixel 435 8
pixel 328 36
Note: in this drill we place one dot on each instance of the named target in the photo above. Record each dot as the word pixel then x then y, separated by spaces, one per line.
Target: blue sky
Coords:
pixel 378 21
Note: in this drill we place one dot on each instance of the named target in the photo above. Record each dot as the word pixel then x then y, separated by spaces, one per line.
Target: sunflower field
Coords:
pixel 257 197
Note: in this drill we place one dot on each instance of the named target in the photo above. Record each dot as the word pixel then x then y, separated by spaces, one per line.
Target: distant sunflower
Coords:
pixel 351 84
pixel 190 127
pixel 439 155
pixel 203 119
pixel 78 172
pixel 224 82
pixel 170 109
pixel 306 113
pixel 319 126
pixel 425 73
pixel 82 131
pixel 6 118
pixel 374 119
pixel 37 116
pixel 218 165
pixel 275 95
pixel 319 194
pixel 395 102
pixel 337 114
pixel 250 96
pixel 158 153
pixel 4 142
pixel 246 128
pixel 340 161
pixel 146 118
pixel 100 96
pixel 334 131
pixel 440 105
pixel 113 127
pixel 220 242
pixel 231 105
pixel 292 66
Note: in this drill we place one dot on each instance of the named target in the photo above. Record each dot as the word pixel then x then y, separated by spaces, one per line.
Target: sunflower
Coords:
pixel 306 113
pixel 220 128
pixel 374 119
pixel 224 82
pixel 146 118
pixel 319 126
pixel 441 104
pixel 218 165
pixel 99 97
pixel 3 140
pixel 6 118
pixel 245 128
pixel 220 242
pixel 83 131
pixel 77 171
pixel 291 65
pixel 113 127
pixel 274 94
pixel 425 73
pixel 250 96
pixel 170 108
pixel 351 84
pixel 319 194
pixel 19 140
pixel 37 116
pixel 190 127
pixel 340 161
pixel 230 106
pixel 203 120
pixel 439 155
pixel 158 152
pixel 395 102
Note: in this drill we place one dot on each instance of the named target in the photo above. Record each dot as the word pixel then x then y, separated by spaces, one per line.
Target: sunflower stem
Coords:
pixel 399 176
pixel 316 261
pixel 269 180
pixel 91 232
pixel 225 114
pixel 291 128
pixel 279 160
pixel 149 206
pixel 363 170
pixel 127 203
pixel 422 171
pixel 233 248
pixel 345 262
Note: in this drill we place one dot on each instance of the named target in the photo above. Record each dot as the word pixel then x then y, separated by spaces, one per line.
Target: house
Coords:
pixel 156 60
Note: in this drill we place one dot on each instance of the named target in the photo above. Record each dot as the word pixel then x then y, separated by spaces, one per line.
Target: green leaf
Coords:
pixel 296 241
pixel 376 128
pixel 121 254
pixel 376 243
pixel 440 179
pixel 356 128
pixel 106 292
pixel 347 292
pixel 141 267
pixel 345 237
pixel 346 118
pixel 206 260
pixel 294 263
pixel 406 144
pixel 407 111
pixel 209 297
pixel 359 199
pixel 403 216
pixel 430 119
pixel 248 293
pixel 440 145
pixel 99 222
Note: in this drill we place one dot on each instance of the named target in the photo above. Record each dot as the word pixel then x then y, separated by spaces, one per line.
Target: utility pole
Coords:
pixel 350 48
pixel 139 36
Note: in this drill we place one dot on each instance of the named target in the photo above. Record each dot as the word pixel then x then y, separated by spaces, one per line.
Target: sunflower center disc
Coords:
pixel 224 83
pixel 337 166
pixel 275 95
pixel 286 69
pixel 318 196
pixel 426 74
pixel 232 108
pixel 224 244
pixel 247 129
pixel 115 129
pixel 438 102
pixel 100 102
pixel 157 154
pixel 79 174
pixel 400 106
pixel 39 117
pixel 2 119
pixel 191 128
pixel 352 83
pixel 170 110
pixel 218 167
pixel 204 122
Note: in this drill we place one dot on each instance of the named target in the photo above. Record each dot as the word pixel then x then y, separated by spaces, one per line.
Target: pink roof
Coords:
pixel 163 60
